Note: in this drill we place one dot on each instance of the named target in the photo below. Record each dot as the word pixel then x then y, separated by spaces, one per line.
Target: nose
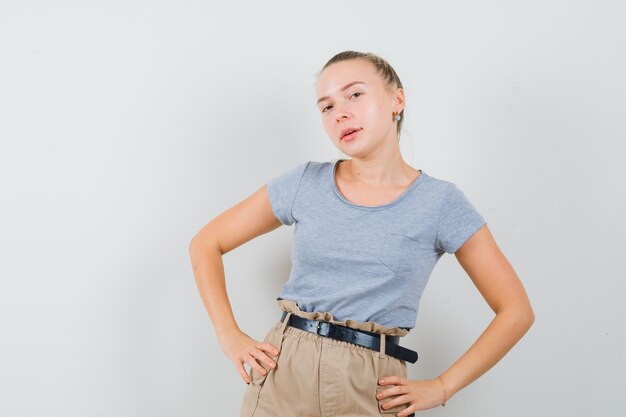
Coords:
pixel 341 112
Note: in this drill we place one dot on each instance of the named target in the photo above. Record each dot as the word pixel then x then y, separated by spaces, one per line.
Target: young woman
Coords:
pixel 369 231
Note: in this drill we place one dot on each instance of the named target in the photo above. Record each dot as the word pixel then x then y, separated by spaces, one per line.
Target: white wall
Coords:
pixel 125 126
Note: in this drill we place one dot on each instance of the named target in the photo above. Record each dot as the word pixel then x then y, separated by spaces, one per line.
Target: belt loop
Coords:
pixel 285 321
pixel 381 353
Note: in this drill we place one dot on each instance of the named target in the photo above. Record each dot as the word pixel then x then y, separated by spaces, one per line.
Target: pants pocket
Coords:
pixel 390 366
pixel 388 411
pixel 252 393
pixel 274 337
pixel 250 400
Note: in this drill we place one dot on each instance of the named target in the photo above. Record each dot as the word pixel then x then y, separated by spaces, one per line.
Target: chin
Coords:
pixel 355 152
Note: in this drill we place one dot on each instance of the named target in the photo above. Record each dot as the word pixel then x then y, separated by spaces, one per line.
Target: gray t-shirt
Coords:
pixel 366 263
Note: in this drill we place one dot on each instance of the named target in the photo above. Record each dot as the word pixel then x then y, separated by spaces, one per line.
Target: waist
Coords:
pixel 358 337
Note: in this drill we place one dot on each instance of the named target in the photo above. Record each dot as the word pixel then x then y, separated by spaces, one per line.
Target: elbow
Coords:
pixel 194 246
pixel 198 239
pixel 528 313
pixel 520 317
pixel 202 243
pixel 530 316
pixel 526 321
pixel 525 317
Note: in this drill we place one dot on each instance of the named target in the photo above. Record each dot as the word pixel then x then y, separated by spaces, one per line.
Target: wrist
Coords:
pixel 445 395
pixel 225 331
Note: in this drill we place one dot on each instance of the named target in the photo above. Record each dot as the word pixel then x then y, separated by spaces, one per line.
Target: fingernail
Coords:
pixel 382 381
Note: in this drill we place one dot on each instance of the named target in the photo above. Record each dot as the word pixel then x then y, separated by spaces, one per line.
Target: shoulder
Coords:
pixel 442 193
pixel 436 181
pixel 314 169
pixel 295 174
pixel 310 165
pixel 315 166
pixel 436 187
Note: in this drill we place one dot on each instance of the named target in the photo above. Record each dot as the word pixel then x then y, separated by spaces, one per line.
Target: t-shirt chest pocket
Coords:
pixel 399 252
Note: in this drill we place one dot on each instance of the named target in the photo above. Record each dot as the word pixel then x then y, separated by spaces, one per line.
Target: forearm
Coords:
pixel 504 331
pixel 208 269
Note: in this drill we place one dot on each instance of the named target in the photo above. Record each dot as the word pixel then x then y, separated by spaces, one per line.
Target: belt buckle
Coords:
pixel 326 329
pixel 317 327
pixel 322 330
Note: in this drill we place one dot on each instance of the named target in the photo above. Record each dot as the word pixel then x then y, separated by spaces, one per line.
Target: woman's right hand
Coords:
pixel 241 348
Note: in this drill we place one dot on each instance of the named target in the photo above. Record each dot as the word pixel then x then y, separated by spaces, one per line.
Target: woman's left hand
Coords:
pixel 416 394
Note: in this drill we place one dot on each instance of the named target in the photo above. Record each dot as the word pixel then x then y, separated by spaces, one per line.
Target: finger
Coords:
pixel 263 357
pixel 404 400
pixel 244 374
pixel 408 411
pixel 254 364
pixel 394 402
pixel 388 379
pixel 384 392
pixel 389 404
pixel 268 347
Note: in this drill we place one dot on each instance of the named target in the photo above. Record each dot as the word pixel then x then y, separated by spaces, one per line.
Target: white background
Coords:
pixel 125 126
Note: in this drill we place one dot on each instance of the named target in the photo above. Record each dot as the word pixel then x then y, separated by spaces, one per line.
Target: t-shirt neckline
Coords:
pixel 401 197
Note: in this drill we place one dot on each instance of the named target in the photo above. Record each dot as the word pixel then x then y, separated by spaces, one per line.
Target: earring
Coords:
pixel 397 117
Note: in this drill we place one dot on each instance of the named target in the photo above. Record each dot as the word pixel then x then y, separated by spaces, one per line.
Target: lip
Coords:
pixel 346 130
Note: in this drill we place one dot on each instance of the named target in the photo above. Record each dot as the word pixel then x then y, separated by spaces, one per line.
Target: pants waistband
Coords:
pixel 383 343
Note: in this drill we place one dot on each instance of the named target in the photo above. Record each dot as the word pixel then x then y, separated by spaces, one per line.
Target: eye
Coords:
pixel 357 94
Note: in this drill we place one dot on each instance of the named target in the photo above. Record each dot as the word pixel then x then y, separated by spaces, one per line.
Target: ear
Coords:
pixel 398 100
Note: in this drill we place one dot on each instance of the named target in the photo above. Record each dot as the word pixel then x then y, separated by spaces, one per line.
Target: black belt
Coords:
pixel 358 337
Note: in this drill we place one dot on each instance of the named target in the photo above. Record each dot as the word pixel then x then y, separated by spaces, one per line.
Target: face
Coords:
pixel 351 94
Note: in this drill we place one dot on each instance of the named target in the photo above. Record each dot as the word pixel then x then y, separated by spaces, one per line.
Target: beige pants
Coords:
pixel 316 376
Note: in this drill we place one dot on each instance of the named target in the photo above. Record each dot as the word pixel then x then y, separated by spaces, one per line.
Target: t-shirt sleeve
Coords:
pixel 282 191
pixel 458 220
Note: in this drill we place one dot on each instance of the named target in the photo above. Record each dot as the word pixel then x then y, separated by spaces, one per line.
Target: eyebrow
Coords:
pixel 342 89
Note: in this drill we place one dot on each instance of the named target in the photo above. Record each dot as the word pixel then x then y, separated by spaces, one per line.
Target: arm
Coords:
pixel 498 283
pixel 246 220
